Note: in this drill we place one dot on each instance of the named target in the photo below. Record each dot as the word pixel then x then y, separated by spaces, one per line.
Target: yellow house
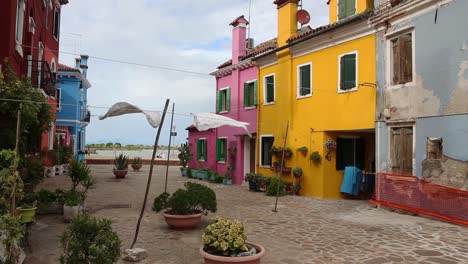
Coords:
pixel 322 82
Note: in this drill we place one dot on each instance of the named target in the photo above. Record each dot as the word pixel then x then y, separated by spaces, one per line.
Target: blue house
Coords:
pixel 73 115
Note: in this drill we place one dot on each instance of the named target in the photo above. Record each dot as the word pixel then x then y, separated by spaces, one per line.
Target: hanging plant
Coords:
pixel 303 150
pixel 329 146
pixel 315 157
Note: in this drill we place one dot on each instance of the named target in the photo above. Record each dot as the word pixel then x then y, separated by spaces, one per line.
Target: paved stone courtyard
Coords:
pixel 304 230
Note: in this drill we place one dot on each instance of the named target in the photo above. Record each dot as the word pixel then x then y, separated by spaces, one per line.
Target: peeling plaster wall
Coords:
pixel 437 100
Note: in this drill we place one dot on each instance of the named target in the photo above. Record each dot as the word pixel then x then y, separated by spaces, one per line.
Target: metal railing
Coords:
pixel 41 76
pixel 86 117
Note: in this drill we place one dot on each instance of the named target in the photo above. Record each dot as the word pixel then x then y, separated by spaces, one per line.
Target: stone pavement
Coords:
pixel 304 230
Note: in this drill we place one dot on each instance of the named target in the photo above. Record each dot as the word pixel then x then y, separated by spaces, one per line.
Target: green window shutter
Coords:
pixel 205 150
pixel 255 93
pixel 222 155
pixel 246 95
pixel 228 99
pixel 220 101
pixel 199 155
pixel 350 7
pixel 304 85
pixel 348 72
pixel 270 89
pixel 341 9
pixel 218 150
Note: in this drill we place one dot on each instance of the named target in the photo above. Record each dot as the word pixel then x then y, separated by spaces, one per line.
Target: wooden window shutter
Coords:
pixel 205 149
pixel 304 85
pixel 246 95
pixel 218 149
pixel 228 99
pixel 406 151
pixel 255 93
pixel 396 61
pixel 406 58
pixel 350 7
pixel 395 150
pixel 341 9
pixel 220 101
pixel 348 72
pixel 199 154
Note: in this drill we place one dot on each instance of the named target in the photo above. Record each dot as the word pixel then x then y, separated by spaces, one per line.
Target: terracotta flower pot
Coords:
pixel 213 259
pixel 137 167
pixel 120 174
pixel 182 221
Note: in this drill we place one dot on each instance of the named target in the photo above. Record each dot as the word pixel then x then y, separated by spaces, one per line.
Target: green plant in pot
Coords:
pixel 273 188
pixel 185 155
pixel 137 163
pixel 27 208
pixel 121 166
pixel 296 188
pixel 49 202
pixel 90 240
pixel 80 175
pixel 315 157
pixel 224 241
pixel 253 179
pixel 297 172
pixel 71 205
pixel 227 178
pixel 33 173
pixel 303 150
pixel 185 207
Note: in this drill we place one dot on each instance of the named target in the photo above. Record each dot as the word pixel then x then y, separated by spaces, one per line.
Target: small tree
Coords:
pixel 185 155
pixel 90 240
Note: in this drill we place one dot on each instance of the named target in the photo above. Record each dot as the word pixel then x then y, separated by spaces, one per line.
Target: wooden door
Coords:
pixel 252 154
pixel 401 150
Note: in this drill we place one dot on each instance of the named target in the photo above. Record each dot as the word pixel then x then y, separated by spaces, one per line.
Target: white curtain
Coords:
pixel 205 121
pixel 123 108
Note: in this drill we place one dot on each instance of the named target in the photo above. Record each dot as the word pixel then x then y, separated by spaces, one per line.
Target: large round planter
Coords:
pixel 26 214
pixel 70 212
pixel 213 259
pixel 182 221
pixel 120 174
pixel 137 167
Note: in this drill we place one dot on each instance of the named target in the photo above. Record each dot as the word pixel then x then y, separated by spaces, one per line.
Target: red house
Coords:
pixel 29 38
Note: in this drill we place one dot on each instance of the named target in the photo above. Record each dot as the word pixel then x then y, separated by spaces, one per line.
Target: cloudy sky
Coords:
pixel 185 34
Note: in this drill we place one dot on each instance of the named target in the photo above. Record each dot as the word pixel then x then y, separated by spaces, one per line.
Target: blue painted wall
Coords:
pixel 437 100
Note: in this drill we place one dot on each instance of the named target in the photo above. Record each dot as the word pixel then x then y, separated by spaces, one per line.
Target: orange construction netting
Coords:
pixel 421 197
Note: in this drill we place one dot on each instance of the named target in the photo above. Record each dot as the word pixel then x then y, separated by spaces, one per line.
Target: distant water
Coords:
pixel 144 153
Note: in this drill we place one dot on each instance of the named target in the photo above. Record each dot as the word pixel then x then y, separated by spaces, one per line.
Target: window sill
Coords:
pixel 399 86
pixel 201 160
pixel 250 107
pixel 221 162
pixel 19 49
pixel 270 103
pixel 223 112
pixel 264 166
pixel 347 91
pixel 303 96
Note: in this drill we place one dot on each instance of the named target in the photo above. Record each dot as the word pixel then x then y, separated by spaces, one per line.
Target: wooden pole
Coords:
pixel 155 148
pixel 169 151
pixel 18 125
pixel 278 174
pixel 18 134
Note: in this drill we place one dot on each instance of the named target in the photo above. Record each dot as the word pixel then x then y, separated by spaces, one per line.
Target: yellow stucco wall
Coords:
pixel 312 118
pixel 362 5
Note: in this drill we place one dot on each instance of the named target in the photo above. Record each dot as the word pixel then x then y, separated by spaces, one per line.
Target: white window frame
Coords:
pixel 206 149
pixel 19 28
pixel 253 106
pixel 265 89
pixel 260 149
pixel 392 125
pixel 220 161
pixel 338 10
pixel 223 89
pixel 339 72
pixel 389 65
pixel 298 91
pixel 55 10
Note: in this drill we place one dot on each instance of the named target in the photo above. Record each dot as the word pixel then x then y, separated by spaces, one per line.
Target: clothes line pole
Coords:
pixel 169 151
pixel 155 148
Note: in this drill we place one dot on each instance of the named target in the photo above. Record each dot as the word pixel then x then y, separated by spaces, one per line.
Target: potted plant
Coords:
pixel 224 241
pixel 49 202
pixel 49 160
pixel 80 175
pixel 315 157
pixel 184 157
pixel 67 156
pixel 71 205
pixel 121 166
pixel 329 145
pixel 137 163
pixel 218 179
pixel 58 162
pixel 303 150
pixel 227 179
pixel 297 172
pixel 26 208
pixel 205 173
pixel 287 152
pixel 185 207
pixel 296 188
pixel 273 188
pixel 252 178
pixel 32 173
pixel 90 240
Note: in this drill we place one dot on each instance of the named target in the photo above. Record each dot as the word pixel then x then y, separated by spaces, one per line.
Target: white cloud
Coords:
pixel 185 34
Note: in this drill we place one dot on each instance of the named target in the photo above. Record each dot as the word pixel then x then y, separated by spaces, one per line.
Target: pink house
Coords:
pixel 228 149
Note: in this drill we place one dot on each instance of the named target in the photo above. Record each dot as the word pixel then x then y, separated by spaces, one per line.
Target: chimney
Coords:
pixel 77 63
pixel 287 24
pixel 239 47
pixel 84 64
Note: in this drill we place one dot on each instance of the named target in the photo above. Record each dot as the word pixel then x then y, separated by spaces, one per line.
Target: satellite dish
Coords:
pixel 303 17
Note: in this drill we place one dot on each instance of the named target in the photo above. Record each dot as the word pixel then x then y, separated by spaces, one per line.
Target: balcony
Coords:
pixel 41 76
pixel 86 117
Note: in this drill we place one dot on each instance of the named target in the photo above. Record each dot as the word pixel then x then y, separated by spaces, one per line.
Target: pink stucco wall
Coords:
pixel 194 136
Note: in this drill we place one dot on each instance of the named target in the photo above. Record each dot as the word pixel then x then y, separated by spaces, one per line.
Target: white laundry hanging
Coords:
pixel 205 121
pixel 123 108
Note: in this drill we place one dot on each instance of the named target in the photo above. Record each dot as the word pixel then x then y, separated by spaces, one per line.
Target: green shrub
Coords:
pixel 121 162
pixel 34 171
pixel 46 197
pixel 194 198
pixel 273 187
pixel 137 160
pixel 11 233
pixel 224 237
pixel 90 240
pixel 184 154
pixel 315 157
